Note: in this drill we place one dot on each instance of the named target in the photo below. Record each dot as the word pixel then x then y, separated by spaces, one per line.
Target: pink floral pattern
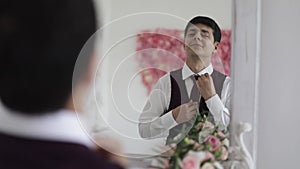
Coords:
pixel 161 50
pixel 213 142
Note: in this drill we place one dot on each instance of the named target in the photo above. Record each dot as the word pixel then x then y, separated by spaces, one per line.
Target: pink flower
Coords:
pixel 214 142
pixel 220 134
pixel 225 142
pixel 208 126
pixel 208 166
pixel 224 154
pixel 209 156
pixel 192 160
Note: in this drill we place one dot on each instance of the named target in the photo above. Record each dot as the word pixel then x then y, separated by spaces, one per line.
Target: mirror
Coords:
pixel 124 80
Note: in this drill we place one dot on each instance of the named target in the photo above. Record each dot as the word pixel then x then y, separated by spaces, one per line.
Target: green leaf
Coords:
pixel 177 166
pixel 218 153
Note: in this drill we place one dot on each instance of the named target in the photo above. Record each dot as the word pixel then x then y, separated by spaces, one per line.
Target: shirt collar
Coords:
pixel 62 125
pixel 187 72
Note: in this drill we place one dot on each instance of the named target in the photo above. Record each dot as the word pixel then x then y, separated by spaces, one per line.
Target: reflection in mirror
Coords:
pixel 143 41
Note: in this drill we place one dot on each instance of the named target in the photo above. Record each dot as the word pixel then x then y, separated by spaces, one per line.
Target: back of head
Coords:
pixel 208 22
pixel 39 44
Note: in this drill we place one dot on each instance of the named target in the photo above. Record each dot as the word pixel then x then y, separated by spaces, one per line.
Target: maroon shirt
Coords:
pixel 23 153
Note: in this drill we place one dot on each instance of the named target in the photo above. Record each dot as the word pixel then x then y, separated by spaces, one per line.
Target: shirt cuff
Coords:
pixel 215 105
pixel 168 121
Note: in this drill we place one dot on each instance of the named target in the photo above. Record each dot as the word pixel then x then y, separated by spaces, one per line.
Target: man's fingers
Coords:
pixel 195 104
pixel 191 108
pixel 204 76
pixel 191 103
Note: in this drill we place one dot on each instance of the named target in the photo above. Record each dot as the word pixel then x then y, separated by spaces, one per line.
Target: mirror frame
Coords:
pixel 245 64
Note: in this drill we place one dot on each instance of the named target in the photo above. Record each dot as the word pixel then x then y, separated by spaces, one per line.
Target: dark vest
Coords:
pixel 179 96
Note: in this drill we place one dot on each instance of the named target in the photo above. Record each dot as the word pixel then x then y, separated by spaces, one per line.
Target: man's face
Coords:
pixel 199 40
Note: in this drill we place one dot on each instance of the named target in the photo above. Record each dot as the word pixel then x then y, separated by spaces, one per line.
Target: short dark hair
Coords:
pixel 208 22
pixel 39 45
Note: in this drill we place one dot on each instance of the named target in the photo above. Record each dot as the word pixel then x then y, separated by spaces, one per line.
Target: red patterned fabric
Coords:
pixel 161 50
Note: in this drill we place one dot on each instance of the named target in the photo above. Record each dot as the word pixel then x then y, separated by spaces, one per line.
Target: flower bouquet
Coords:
pixel 204 147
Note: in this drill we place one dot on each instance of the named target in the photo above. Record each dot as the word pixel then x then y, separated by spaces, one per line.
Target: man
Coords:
pixel 178 95
pixel 39 44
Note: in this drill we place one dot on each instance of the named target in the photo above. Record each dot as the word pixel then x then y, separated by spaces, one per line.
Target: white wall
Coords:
pixel 220 10
pixel 121 89
pixel 279 111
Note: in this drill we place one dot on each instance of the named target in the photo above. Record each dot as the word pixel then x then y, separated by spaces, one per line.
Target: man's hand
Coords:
pixel 185 112
pixel 206 86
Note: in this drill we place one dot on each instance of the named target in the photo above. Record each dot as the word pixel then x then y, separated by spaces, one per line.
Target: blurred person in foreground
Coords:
pixel 39 44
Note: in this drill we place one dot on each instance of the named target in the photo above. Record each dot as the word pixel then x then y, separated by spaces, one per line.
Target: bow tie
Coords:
pixel 196 76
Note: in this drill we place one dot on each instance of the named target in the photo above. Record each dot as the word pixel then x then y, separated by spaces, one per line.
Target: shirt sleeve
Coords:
pixel 152 124
pixel 220 107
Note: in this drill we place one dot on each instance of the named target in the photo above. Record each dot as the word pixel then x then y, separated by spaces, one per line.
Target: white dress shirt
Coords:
pixel 153 125
pixel 62 125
